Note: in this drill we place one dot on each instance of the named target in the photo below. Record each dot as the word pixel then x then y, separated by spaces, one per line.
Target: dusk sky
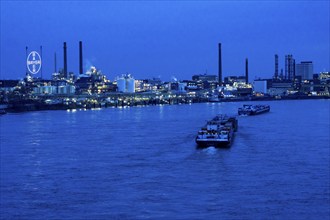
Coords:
pixel 165 39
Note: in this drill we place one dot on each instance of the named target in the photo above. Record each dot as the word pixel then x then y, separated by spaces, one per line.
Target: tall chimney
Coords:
pixel 220 66
pixel 276 66
pixel 80 58
pixel 55 70
pixel 26 67
pixel 41 61
pixel 294 69
pixel 65 69
pixel 246 71
pixel 286 67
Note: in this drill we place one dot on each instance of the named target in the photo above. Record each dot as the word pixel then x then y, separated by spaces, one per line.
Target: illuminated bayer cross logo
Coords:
pixel 33 62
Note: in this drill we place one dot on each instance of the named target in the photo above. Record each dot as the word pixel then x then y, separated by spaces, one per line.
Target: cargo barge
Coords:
pixel 253 109
pixel 218 132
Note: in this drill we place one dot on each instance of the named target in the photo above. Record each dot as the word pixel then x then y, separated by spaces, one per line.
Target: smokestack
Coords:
pixel 41 61
pixel 276 66
pixel 55 70
pixel 80 58
pixel 65 69
pixel 220 66
pixel 294 69
pixel 246 71
pixel 26 56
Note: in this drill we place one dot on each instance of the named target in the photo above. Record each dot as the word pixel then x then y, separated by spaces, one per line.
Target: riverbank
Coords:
pixel 124 100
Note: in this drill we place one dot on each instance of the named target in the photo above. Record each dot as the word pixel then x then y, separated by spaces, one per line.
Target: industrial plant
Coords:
pixel 91 88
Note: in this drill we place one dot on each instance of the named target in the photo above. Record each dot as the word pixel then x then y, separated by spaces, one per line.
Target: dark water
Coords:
pixel 142 163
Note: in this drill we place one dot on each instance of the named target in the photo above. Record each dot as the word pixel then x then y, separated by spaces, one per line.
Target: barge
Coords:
pixel 218 132
pixel 253 109
pixel 2 112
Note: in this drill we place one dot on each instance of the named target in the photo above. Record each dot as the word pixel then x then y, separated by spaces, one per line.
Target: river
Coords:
pixel 142 163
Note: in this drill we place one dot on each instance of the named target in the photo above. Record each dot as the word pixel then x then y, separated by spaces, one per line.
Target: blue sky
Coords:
pixel 165 38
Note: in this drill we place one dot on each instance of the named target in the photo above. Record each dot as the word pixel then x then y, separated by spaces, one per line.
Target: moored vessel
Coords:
pixel 2 112
pixel 3 108
pixel 253 109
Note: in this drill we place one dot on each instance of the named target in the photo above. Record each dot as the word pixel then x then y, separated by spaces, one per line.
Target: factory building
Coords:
pixel 260 86
pixel 204 77
pixel 305 70
pixel 230 80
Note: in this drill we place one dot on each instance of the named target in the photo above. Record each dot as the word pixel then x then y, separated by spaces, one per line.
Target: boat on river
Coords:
pixel 253 109
pixel 218 132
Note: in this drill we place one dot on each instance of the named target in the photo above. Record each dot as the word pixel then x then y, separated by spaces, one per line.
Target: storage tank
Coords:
pixel 121 84
pixel 62 90
pixel 130 82
pixel 182 87
pixel 36 90
pixel 48 89
pixel 71 89
pixel 126 83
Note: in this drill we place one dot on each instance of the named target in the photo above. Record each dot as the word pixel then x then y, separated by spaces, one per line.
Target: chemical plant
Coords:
pixel 92 89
